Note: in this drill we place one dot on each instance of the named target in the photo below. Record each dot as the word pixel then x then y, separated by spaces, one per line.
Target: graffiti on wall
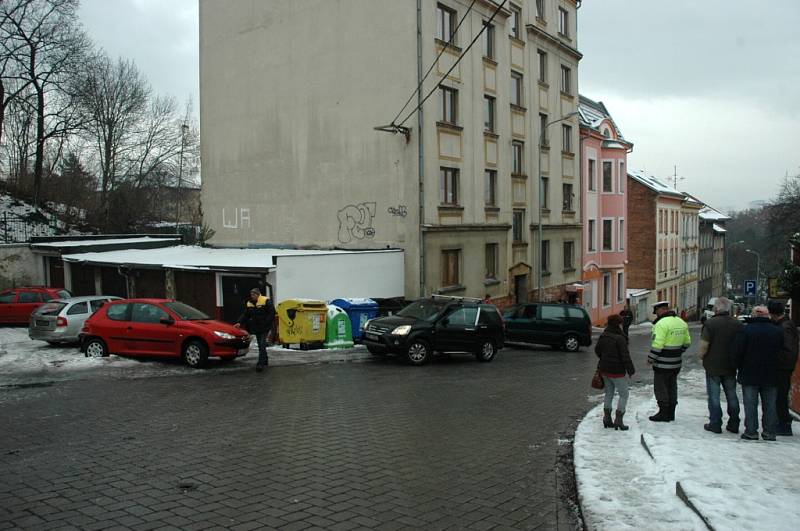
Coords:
pixel 355 222
pixel 398 211
pixel 239 220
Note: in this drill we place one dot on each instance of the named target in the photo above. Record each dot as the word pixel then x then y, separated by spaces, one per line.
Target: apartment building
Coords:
pixel 690 249
pixel 711 264
pixel 604 156
pixel 291 94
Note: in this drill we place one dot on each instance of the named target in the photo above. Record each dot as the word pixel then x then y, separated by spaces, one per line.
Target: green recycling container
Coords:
pixel 338 331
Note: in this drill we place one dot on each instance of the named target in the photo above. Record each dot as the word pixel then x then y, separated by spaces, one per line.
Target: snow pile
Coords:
pixel 734 484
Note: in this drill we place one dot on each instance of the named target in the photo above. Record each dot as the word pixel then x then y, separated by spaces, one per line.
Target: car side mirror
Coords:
pixel 167 321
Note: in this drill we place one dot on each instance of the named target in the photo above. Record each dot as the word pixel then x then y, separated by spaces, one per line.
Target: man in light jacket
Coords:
pixel 670 340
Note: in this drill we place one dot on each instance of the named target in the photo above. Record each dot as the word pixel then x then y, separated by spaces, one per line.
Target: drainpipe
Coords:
pixel 421 149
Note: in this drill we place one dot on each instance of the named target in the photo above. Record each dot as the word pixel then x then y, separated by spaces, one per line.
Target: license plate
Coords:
pixel 43 323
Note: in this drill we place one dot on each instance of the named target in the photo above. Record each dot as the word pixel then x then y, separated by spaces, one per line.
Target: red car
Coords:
pixel 161 327
pixel 17 304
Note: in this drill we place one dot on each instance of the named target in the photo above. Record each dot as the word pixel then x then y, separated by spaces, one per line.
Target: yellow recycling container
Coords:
pixel 301 322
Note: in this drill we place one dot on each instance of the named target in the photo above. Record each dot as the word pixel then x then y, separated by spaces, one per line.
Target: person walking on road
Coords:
pixel 756 352
pixel 787 360
pixel 670 340
pixel 716 342
pixel 616 367
pixel 257 319
pixel 627 319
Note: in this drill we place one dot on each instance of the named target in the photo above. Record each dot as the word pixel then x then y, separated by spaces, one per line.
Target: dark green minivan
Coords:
pixel 561 326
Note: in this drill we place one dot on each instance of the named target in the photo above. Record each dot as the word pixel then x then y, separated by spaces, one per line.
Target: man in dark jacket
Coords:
pixel 716 342
pixel 258 318
pixel 756 352
pixel 787 360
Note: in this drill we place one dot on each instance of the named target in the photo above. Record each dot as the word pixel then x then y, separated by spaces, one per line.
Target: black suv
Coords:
pixel 442 324
pixel 559 325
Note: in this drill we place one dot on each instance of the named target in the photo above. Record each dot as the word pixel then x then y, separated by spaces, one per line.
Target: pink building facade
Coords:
pixel 604 204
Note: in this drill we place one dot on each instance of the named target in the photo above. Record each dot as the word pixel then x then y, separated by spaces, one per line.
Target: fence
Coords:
pixel 20 229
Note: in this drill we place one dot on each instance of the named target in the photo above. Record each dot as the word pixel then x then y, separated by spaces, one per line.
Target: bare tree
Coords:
pixel 112 98
pixel 44 39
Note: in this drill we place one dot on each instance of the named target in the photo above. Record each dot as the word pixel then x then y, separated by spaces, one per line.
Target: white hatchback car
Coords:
pixel 61 320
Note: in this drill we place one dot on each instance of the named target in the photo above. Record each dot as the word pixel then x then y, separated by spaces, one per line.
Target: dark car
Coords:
pixel 559 325
pixel 442 324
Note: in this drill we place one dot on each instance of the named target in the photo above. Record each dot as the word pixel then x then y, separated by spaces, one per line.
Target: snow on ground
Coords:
pixel 40 222
pixel 734 484
pixel 25 361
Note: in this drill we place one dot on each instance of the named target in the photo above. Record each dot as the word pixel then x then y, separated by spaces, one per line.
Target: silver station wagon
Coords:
pixel 61 320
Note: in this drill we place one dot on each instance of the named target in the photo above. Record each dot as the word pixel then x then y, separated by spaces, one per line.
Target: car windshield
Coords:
pixel 51 308
pixel 186 312
pixel 424 309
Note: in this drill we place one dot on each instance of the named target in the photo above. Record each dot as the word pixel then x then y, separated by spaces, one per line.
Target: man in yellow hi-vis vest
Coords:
pixel 670 340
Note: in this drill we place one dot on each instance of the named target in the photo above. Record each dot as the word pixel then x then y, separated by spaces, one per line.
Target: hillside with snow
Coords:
pixel 19 221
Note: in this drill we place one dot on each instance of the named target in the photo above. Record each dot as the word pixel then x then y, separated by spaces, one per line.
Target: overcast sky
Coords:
pixel 710 86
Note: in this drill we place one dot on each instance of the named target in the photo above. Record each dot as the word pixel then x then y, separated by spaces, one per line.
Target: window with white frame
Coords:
pixel 608 178
pixel 567 138
pixel 620 287
pixel 516 88
pixel 566 79
pixel 516 19
pixel 622 175
pixel 488 40
pixel 518 226
pixel 448 186
pixel 445 23
pixel 542 66
pixel 492 257
pixel 563 22
pixel 592 177
pixel 606 289
pixel 490 197
pixel 608 237
pixel 488 113
pixel 569 255
pixel 621 236
pixel 449 105
pixel 540 9
pixel 592 236
pixel 517 166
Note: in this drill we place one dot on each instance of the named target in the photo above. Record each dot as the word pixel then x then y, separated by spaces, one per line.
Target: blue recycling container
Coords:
pixel 359 310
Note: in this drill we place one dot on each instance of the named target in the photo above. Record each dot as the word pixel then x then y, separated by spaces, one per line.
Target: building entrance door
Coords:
pixel 520 289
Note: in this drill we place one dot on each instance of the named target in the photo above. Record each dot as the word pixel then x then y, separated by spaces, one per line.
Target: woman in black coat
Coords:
pixel 616 367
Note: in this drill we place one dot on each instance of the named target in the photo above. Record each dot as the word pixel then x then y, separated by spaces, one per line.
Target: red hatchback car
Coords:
pixel 161 327
pixel 17 304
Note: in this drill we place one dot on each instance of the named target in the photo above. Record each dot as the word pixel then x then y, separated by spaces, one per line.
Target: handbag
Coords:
pixel 597 380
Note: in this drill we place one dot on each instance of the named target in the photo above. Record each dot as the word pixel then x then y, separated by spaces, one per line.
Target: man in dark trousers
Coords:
pixel 257 319
pixel 756 352
pixel 716 342
pixel 670 340
pixel 787 360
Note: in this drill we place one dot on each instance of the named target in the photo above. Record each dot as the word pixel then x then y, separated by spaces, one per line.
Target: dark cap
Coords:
pixel 775 307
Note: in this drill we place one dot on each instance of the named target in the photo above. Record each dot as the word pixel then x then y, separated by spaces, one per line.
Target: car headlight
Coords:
pixel 224 335
pixel 401 330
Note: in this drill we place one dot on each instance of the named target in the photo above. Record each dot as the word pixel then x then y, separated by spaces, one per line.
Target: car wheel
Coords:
pixel 376 351
pixel 195 354
pixel 571 343
pixel 486 351
pixel 419 352
pixel 96 348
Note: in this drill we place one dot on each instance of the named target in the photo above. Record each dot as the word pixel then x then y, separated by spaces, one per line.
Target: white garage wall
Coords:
pixel 378 274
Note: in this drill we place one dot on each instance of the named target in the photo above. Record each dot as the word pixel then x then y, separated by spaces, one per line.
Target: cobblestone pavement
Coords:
pixel 455 444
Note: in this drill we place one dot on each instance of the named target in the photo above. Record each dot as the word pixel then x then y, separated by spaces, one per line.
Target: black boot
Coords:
pixel 618 425
pixel 671 412
pixel 607 423
pixel 663 413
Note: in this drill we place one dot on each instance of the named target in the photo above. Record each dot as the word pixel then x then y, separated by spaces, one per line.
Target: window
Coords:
pixel 621 235
pixel 463 317
pixel 29 296
pixel 546 255
pixel 620 287
pixel 516 19
pixel 516 88
pixel 567 140
pixel 78 308
pixel 542 66
pixel 448 186
pixel 566 80
pixel 97 304
pixel 607 236
pixel 490 197
pixel 7 297
pixel 517 166
pixel 449 105
pixel 491 261
pixel 450 268
pixel 118 312
pixel 545 192
pixel 445 23
pixel 553 311
pixel 147 313
pixel 606 289
pixel 592 175
pixel 563 22
pixel 568 196
pixel 488 40
pixel 607 177
pixel 518 226
pixel 543 129
pixel 576 313
pixel 592 235
pixel 540 9
pixel 621 188
pixel 569 255
pixel 488 113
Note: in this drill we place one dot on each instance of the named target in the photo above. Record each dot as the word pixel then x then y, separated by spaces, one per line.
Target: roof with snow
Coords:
pixel 97 242
pixel 191 257
pixel 710 214
pixel 654 183
pixel 718 228
pixel 592 113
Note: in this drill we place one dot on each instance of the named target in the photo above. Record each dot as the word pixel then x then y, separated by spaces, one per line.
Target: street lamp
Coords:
pixel 184 130
pixel 758 273
pixel 541 203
